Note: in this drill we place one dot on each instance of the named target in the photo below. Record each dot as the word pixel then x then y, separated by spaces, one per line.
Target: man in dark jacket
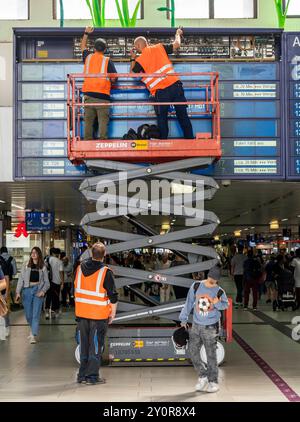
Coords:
pixel 95 307
pixel 252 275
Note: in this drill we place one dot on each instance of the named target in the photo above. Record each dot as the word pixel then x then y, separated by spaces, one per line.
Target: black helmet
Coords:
pixel 100 45
pixel 181 337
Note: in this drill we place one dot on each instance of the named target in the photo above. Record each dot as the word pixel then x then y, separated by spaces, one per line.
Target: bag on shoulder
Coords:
pixel 3 306
pixel 49 268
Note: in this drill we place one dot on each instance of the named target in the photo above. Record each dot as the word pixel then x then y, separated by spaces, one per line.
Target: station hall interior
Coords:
pixel 236 180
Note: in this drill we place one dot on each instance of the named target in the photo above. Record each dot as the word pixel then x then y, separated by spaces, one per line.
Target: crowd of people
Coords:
pixel 42 282
pixel 275 276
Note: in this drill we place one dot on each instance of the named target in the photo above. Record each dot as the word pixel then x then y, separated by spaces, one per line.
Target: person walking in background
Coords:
pixel 68 281
pixel 180 291
pixel 33 284
pixel 271 282
pixel 165 289
pixel 252 275
pixel 206 299
pixel 56 278
pixel 9 268
pixel 95 307
pixel 295 265
pixel 237 272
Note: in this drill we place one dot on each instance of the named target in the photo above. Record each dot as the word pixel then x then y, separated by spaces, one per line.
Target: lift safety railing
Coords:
pixel 167 159
pixel 156 150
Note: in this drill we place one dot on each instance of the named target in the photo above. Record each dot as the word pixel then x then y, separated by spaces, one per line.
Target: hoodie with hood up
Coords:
pixel 89 267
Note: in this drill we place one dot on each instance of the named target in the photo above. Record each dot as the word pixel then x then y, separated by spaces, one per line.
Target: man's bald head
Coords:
pixel 98 251
pixel 140 43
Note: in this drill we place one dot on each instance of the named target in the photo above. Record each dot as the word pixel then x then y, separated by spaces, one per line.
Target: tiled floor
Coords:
pixel 47 371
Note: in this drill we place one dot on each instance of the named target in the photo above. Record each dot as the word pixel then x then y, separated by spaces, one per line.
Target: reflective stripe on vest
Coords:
pixel 103 66
pixel 154 60
pixel 92 302
pixel 87 303
pixel 94 66
pixel 89 292
pixel 147 80
pixel 157 80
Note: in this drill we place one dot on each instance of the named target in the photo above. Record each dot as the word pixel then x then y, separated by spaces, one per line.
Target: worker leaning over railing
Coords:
pixel 96 89
pixel 154 59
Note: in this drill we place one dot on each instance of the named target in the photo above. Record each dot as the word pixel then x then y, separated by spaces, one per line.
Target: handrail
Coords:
pixel 206 83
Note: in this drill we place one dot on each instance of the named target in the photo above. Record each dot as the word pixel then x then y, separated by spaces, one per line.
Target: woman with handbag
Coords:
pixel 33 284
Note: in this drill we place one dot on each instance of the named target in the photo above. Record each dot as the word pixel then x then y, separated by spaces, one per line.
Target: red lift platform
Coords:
pixel 153 150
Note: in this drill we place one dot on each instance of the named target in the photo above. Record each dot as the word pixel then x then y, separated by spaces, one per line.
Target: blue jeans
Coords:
pixel 33 307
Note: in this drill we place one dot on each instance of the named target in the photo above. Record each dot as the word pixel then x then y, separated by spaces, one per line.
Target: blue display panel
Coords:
pixel 292 74
pixel 250 105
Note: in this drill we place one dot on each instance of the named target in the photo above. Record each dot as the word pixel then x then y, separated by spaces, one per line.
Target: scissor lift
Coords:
pixel 119 161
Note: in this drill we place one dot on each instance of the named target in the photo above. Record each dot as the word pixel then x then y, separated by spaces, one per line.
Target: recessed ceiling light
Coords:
pixel 298 216
pixel 62 221
pixel 17 206
pixel 252 227
pixel 72 224
pixel 2 202
pixel 284 219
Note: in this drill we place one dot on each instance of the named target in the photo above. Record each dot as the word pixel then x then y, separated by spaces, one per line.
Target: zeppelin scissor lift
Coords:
pixel 119 161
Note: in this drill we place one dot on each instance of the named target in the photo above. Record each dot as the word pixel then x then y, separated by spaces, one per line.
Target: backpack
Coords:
pixel 49 268
pixel 7 267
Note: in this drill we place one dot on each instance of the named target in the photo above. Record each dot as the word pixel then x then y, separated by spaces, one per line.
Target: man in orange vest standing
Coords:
pixel 95 307
pixel 167 88
pixel 96 90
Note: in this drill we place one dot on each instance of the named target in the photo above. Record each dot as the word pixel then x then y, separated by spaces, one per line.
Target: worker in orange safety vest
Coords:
pixel 95 307
pixel 96 90
pixel 164 88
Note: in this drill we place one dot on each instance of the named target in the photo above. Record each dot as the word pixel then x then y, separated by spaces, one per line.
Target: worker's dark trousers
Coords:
pixel 92 335
pixel 172 94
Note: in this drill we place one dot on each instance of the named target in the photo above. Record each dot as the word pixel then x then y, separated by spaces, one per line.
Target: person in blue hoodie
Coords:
pixel 207 302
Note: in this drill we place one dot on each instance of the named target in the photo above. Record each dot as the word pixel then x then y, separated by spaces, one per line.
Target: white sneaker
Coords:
pixel 47 315
pixel 201 384
pixel 32 339
pixel 30 334
pixel 7 332
pixel 213 387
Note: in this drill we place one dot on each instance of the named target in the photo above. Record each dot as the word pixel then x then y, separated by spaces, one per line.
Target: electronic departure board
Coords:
pixel 250 72
pixel 292 75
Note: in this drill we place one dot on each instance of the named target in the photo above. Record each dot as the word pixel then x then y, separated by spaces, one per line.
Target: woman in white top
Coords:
pixel 33 284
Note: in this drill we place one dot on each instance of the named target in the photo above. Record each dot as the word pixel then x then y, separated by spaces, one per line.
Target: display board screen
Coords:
pixel 292 74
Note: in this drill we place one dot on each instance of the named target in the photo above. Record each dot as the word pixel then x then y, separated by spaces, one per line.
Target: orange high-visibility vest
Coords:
pixel 96 63
pixel 91 300
pixel 154 59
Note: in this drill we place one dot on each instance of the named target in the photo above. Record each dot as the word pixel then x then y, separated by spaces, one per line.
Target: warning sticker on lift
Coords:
pixel 140 145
